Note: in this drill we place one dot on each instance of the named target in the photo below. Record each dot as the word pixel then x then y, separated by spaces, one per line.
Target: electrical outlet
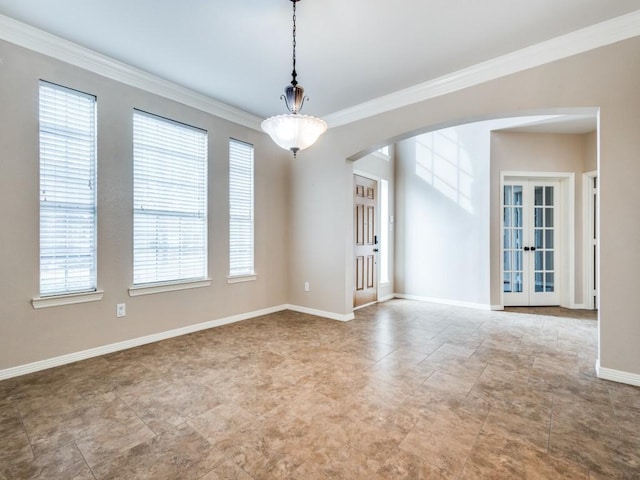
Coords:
pixel 121 310
pixel 306 286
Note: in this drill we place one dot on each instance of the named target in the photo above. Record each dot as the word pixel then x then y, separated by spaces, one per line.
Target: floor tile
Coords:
pixel 177 454
pixel 63 463
pixel 497 457
pixel 407 390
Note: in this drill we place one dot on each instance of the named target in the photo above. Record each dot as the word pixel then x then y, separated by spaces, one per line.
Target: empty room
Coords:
pixel 418 266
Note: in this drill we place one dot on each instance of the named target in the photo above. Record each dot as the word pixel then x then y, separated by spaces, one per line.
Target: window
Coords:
pixel 67 191
pixel 240 209
pixel 170 201
pixel 384 231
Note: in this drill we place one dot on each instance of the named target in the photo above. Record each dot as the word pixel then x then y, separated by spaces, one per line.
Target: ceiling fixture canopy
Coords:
pixel 293 131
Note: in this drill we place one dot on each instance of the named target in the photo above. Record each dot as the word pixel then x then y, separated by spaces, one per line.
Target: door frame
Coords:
pixel 376 179
pixel 591 220
pixel 566 230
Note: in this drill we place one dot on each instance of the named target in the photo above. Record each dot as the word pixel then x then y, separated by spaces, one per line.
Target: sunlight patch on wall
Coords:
pixel 444 163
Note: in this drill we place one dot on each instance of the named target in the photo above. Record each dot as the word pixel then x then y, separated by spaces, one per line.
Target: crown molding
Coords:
pixel 599 35
pixel 45 43
pixel 589 38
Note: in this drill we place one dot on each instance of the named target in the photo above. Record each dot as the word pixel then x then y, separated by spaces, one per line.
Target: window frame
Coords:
pixel 241 211
pixel 161 144
pixel 67 133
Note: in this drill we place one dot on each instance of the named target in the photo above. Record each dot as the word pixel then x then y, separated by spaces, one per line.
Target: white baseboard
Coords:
pixel 365 305
pixel 617 375
pixel 386 298
pixel 453 303
pixel 156 337
pixel 134 342
pixel 321 313
pixel 577 306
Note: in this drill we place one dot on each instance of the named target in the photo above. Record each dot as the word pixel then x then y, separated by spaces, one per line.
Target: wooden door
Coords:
pixel 365 240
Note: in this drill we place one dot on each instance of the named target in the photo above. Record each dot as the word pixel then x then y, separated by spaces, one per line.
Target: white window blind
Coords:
pixel 170 201
pixel 67 191
pixel 240 208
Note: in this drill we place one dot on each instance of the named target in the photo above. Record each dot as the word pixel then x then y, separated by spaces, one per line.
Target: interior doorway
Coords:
pixel 537 223
pixel 365 237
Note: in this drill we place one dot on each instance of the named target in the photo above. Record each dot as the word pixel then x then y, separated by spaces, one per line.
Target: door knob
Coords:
pixel 526 249
pixel 375 249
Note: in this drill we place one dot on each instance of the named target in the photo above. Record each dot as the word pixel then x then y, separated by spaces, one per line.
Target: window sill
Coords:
pixel 249 277
pixel 69 299
pixel 167 287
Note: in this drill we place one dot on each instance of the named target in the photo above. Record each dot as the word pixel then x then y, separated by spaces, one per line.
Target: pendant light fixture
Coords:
pixel 293 131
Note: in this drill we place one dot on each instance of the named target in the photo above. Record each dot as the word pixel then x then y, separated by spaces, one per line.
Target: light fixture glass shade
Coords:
pixel 293 131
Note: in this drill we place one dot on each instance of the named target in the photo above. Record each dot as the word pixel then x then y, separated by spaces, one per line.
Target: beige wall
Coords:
pixel 535 152
pixel 607 78
pixel 303 208
pixel 590 148
pixel 28 335
pixel 442 207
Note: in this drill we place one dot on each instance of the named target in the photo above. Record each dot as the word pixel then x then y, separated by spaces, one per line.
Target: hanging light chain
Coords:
pixel 294 74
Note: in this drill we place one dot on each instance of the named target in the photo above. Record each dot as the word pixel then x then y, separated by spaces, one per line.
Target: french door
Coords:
pixel 530 240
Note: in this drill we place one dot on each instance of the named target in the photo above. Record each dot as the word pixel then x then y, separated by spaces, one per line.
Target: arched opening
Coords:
pixel 444 222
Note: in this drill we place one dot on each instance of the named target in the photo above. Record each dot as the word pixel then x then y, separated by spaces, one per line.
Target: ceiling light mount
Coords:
pixel 293 131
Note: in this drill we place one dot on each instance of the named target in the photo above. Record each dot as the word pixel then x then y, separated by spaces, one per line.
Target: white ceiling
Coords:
pixel 349 52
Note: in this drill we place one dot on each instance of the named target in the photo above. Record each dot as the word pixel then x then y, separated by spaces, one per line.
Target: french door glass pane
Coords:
pixel 548 196
pixel 538 260
pixel 548 217
pixel 517 260
pixel 538 217
pixel 548 260
pixel 517 238
pixel 513 239
pixel 517 217
pixel 508 199
pixel 546 254
pixel 538 196
pixel 517 195
pixel 517 282
pixel 549 282
pixel 538 238
pixel 538 281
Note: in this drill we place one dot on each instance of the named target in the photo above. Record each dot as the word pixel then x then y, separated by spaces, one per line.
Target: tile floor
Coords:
pixel 405 391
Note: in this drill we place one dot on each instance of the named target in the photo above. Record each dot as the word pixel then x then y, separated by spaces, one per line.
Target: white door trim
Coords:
pixel 588 209
pixel 567 229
